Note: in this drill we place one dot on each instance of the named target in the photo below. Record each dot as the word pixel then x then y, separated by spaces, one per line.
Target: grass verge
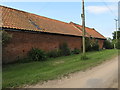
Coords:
pixel 17 75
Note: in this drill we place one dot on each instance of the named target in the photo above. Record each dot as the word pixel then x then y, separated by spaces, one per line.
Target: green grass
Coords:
pixel 17 75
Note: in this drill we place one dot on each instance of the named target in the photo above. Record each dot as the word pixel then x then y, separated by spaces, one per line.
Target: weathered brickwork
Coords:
pixel 22 42
pixel 101 42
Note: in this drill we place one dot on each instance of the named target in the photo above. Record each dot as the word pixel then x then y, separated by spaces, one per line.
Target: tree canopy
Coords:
pixel 118 35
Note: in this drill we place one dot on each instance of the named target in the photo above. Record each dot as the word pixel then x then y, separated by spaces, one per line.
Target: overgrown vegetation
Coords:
pixel 54 53
pixel 6 37
pixel 37 54
pixel 84 57
pixel 114 35
pixel 91 44
pixel 64 49
pixel 76 51
pixel 21 74
pixel 116 42
pixel 108 44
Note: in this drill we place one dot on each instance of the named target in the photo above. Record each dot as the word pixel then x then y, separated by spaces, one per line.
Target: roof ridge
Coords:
pixel 47 22
pixel 33 14
pixel 87 28
pixel 47 18
pixel 12 8
pixel 78 27
pixel 81 25
pixel 98 32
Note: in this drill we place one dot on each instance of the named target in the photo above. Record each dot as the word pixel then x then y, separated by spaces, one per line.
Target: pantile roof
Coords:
pixel 17 19
pixel 90 32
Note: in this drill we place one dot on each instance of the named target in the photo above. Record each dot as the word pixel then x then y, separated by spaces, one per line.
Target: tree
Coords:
pixel 118 35
pixel 91 44
pixel 108 44
pixel 116 42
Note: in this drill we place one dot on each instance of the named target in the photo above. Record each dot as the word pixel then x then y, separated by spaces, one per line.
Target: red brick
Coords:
pixel 22 42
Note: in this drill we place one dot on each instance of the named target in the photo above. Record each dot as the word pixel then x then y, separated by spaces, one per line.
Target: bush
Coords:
pixel 91 45
pixel 64 50
pixel 117 44
pixel 95 47
pixel 54 53
pixel 6 37
pixel 37 55
pixel 76 51
pixel 108 45
pixel 87 44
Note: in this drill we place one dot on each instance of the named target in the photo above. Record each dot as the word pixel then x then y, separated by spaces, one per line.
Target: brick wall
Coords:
pixel 101 42
pixel 22 42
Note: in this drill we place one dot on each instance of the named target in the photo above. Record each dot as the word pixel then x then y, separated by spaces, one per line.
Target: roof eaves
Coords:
pixel 17 29
pixel 88 28
pixel 98 33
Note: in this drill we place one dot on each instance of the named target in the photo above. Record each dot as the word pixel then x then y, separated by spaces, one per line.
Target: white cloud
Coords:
pixel 101 9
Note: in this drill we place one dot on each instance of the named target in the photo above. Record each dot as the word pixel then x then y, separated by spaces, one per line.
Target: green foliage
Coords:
pixel 108 44
pixel 6 37
pixel 117 43
pixel 84 57
pixel 118 35
pixel 64 50
pixel 37 54
pixel 87 44
pixel 76 51
pixel 54 53
pixel 19 75
pixel 95 47
pixel 91 45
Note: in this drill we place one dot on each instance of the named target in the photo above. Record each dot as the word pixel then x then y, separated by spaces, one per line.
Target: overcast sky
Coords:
pixel 99 15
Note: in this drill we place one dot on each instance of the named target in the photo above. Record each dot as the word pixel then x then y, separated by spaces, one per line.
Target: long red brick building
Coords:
pixel 33 31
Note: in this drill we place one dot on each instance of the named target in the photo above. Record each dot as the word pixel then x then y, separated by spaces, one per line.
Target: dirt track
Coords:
pixel 102 76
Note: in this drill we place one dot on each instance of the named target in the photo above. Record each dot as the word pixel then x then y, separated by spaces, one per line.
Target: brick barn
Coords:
pixel 33 31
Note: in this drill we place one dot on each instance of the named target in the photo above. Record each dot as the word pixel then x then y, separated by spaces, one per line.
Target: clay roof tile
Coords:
pixel 18 19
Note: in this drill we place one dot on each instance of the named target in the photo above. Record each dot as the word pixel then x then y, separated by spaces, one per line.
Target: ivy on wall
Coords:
pixel 6 37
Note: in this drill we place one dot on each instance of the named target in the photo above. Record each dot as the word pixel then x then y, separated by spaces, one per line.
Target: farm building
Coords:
pixel 33 31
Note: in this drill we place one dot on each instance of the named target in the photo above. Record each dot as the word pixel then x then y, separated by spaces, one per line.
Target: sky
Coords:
pixel 99 15
pixel 119 15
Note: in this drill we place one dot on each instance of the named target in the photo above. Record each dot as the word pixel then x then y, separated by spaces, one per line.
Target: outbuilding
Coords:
pixel 33 31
